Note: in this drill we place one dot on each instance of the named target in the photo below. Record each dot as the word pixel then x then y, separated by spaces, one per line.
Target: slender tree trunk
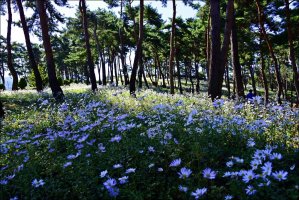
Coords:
pixel 236 61
pixel 208 44
pixel 265 82
pixel 196 73
pixel 227 80
pixel 160 70
pixel 38 79
pixel 291 48
pixel 82 7
pixel 99 72
pixel 172 48
pixel 140 71
pixel 270 47
pixel 10 66
pixel 115 72
pixel 138 50
pixel 251 70
pixel 122 56
pixel 179 73
pixel 54 85
pixel 1 111
pixel 103 68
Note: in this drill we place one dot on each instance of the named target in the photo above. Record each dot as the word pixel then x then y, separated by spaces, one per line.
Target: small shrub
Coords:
pixel 2 86
pixel 22 83
pixel 60 81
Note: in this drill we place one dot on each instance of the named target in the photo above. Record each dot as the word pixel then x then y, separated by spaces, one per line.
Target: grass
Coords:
pixel 107 145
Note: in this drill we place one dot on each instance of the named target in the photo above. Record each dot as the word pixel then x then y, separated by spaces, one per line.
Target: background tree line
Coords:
pixel 238 43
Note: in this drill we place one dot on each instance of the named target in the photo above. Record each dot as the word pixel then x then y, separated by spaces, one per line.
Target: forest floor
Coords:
pixel 107 145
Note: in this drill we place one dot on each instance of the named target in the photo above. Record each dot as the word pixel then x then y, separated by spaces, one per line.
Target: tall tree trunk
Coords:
pixel 103 68
pixel 138 50
pixel 270 47
pixel 115 72
pixel 10 66
pixel 98 47
pixel 179 72
pixel 265 82
pixel 291 48
pixel 172 48
pixel 208 46
pixel 236 61
pixel 227 80
pixel 196 72
pixel 1 111
pixel 251 70
pixel 54 85
pixel 82 7
pixel 38 79
pixel 219 58
pixel 140 71
pixel 122 56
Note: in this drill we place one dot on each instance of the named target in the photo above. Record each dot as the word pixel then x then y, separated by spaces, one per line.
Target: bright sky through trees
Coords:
pixel 17 33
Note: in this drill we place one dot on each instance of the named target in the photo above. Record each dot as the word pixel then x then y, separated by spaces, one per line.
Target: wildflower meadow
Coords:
pixel 109 145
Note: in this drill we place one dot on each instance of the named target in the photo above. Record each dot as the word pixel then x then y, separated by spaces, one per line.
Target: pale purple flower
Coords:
pixel 116 138
pixel 130 170
pixel 116 166
pixel 151 149
pixel 37 183
pixel 160 169
pixel 175 163
pixel 276 156
pixel 229 163
pixel 250 142
pixel 281 175
pixel 209 173
pixel 250 190
pixel 123 179
pixel 103 173
pixel 183 188
pixel 228 197
pixel 184 173
pixel 199 192
pixel 110 183
pixel 267 168
pixel 67 164
pixel 248 176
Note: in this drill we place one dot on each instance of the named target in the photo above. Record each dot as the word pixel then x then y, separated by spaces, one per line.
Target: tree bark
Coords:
pixel 270 47
pixel 10 66
pixel 236 61
pixel 54 85
pixel 1 110
pixel 218 57
pixel 265 82
pixel 138 50
pixel 38 79
pixel 172 48
pixel 82 6
pixel 291 48
pixel 122 56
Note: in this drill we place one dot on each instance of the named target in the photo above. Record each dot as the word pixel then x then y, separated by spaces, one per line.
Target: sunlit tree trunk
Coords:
pixel 54 85
pixel 38 79
pixel 10 66
pixel 291 49
pixel 138 50
pixel 270 47
pixel 172 48
pixel 82 6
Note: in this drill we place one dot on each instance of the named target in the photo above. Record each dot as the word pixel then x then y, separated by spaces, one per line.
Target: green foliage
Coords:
pixel 2 86
pixel 44 76
pixel 60 81
pixel 67 82
pixel 22 83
